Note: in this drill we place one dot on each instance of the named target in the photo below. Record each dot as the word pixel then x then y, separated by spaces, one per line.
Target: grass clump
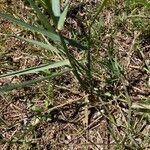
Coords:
pixel 89 85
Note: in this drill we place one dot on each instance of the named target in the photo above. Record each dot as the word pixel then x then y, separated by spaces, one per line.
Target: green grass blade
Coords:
pixel 52 35
pixel 56 7
pixel 48 7
pixel 53 8
pixel 41 44
pixel 62 18
pixel 29 83
pixel 21 85
pixel 37 69
pixel 42 17
pixel 104 2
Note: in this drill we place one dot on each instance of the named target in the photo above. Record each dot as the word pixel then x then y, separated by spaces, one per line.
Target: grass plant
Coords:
pixel 101 63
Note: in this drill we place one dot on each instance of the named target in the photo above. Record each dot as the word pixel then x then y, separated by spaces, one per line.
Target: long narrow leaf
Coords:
pixel 62 18
pixel 29 83
pixel 21 85
pixel 37 69
pixel 42 17
pixel 56 7
pixel 52 35
pixel 100 8
pixel 48 5
pixel 41 44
